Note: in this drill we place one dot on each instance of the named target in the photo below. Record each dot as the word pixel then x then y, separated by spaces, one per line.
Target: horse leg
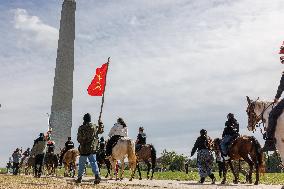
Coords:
pixel 250 163
pixel 139 172
pixel 108 165
pixel 153 168
pixel 256 173
pixel 122 169
pixel 113 162
pixel 75 169
pixel 66 167
pixel 233 171
pixel 132 166
pixel 224 173
pixel 149 167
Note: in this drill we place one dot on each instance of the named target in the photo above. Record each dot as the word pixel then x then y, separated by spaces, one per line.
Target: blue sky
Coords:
pixel 176 66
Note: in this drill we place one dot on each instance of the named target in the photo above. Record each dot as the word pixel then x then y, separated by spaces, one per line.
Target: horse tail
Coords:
pixel 259 155
pixel 153 156
pixel 131 151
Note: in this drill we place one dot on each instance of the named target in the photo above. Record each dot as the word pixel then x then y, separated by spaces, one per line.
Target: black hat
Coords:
pixel 230 115
pixel 87 117
pixel 203 132
pixel 102 139
pixel 41 134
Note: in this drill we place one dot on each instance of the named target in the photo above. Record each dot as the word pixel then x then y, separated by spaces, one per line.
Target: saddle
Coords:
pixel 233 140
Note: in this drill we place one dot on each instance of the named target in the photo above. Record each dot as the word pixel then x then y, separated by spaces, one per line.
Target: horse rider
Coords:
pixel 204 157
pixel 273 116
pixel 50 146
pixel 27 153
pixel 141 139
pixel 68 146
pixel 38 151
pixel 231 132
pixel 118 131
pixel 16 161
pixel 102 144
pixel 87 138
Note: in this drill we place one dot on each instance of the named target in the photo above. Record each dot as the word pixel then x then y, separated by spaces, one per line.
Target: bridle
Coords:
pixel 257 120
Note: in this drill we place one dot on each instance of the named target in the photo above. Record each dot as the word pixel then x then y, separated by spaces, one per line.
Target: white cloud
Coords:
pixel 34 30
pixel 176 67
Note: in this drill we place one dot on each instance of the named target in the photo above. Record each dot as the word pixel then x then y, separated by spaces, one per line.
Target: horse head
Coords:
pixel 253 119
pixel 216 144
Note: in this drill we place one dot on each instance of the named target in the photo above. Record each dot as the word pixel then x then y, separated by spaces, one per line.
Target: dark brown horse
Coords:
pixel 245 148
pixel 147 154
pixel 51 163
pixel 101 159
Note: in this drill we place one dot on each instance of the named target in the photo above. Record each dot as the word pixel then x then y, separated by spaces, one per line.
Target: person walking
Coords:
pixel 204 157
pixel 87 137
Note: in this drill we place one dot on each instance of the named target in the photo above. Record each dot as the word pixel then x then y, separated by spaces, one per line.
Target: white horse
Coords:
pixel 125 147
pixel 258 111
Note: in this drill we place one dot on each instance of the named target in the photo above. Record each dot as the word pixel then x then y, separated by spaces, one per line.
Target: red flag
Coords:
pixel 281 50
pixel 97 87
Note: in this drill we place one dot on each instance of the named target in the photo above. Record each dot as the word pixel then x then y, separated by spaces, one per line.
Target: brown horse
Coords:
pixel 69 160
pixel 125 147
pixel 145 154
pixel 245 148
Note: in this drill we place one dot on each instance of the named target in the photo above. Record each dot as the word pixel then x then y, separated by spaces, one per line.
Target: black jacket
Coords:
pixel 280 87
pixel 141 138
pixel 200 143
pixel 69 145
pixel 231 127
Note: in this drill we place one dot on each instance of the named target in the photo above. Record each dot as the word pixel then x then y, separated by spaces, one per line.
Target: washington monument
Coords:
pixel 61 108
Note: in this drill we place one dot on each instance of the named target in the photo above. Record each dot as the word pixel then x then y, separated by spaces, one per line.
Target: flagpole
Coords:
pixel 103 97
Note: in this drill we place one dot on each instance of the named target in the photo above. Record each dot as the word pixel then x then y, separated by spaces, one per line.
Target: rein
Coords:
pixel 259 119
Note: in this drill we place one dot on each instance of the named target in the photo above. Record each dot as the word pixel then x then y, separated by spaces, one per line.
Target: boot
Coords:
pixel 212 178
pixel 97 179
pixel 79 180
pixel 202 179
pixel 269 145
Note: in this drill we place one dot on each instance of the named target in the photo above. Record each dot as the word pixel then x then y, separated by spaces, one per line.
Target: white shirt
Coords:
pixel 118 129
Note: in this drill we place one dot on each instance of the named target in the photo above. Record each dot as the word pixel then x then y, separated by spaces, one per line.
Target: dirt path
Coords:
pixel 168 184
pixel 28 182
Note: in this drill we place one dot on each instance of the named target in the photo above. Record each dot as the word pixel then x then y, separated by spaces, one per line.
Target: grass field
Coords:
pixel 267 178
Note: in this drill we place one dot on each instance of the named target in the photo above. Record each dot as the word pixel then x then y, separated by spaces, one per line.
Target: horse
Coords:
pixel 101 159
pixel 27 163
pixel 69 160
pixel 146 153
pixel 258 112
pixel 51 163
pixel 124 147
pixel 248 149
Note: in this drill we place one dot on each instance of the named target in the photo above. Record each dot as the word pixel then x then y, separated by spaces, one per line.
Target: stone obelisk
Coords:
pixel 61 108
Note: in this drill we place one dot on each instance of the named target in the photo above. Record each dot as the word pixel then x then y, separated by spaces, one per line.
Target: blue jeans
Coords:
pixel 224 144
pixel 93 162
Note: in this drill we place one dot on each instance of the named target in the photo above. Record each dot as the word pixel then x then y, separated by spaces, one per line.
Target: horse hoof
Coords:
pixel 130 179
pixel 151 178
pixel 140 178
pixel 223 182
pixel 256 183
pixel 235 182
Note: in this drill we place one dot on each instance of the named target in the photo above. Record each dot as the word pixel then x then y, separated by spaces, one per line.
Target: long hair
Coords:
pixel 121 121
